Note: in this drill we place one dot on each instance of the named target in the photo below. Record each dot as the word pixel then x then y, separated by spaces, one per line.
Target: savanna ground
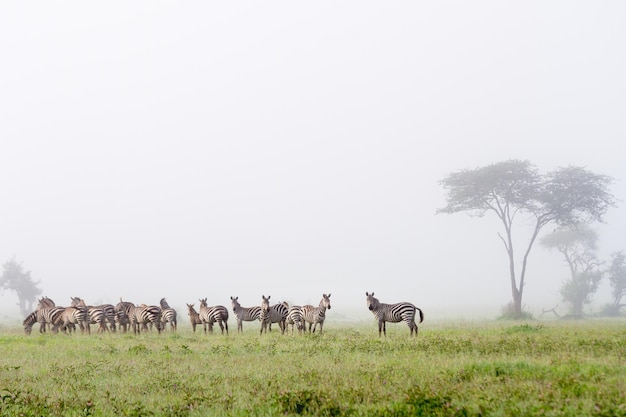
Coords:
pixel 553 368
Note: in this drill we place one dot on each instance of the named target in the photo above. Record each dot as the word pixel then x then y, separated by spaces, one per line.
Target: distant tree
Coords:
pixel 15 279
pixel 514 189
pixel 616 274
pixel 578 246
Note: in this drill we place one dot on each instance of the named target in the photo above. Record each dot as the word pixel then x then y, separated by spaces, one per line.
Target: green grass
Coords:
pixel 451 369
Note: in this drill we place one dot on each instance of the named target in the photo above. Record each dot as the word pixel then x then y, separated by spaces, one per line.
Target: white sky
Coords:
pixel 188 150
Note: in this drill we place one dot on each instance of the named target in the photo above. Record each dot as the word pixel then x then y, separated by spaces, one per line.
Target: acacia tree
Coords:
pixel 578 246
pixel 514 189
pixel 14 278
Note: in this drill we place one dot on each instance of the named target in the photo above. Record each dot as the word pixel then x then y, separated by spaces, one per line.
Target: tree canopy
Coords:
pixel 565 196
pixel 14 278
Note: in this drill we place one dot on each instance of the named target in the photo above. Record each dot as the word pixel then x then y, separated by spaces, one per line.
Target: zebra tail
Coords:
pixel 421 314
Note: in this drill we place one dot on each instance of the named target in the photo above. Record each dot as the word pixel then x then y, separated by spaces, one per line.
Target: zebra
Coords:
pixel 44 302
pixel 274 314
pixel 76 315
pixel 142 315
pixel 121 314
pixel 315 315
pixel 210 315
pixel 294 317
pixel 97 314
pixel 393 313
pixel 168 315
pixel 244 313
pixel 30 321
pixel 52 316
pixel 194 318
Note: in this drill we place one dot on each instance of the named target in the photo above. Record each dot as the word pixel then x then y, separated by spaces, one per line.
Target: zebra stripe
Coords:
pixel 121 314
pixel 272 314
pixel 211 315
pixel 244 313
pixel 143 315
pixel 30 321
pixel 76 315
pixel 393 313
pixel 97 314
pixel 50 316
pixel 295 317
pixel 194 318
pixel 315 315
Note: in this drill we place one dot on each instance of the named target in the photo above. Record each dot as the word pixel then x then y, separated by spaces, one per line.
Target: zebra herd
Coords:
pixel 142 317
pixel 106 316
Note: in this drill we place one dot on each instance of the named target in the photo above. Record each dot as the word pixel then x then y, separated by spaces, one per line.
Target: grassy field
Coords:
pixel 451 369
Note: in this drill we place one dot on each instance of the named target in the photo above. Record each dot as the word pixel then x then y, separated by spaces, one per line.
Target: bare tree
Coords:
pixel 514 189
pixel 15 279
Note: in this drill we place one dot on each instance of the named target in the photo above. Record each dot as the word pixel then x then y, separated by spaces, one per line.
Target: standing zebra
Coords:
pixel 76 315
pixel 141 315
pixel 244 313
pixel 210 315
pixel 52 316
pixel 168 315
pixel 294 317
pixel 97 314
pixel 315 315
pixel 274 314
pixel 194 318
pixel 393 313
pixel 121 314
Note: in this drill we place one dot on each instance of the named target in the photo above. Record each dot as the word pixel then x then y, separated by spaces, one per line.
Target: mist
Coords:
pixel 199 150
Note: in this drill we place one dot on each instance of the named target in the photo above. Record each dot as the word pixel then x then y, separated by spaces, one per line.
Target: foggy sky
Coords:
pixel 199 150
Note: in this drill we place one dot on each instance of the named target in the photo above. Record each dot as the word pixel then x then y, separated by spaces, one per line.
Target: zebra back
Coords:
pixel 295 318
pixel 168 315
pixel 143 315
pixel 216 314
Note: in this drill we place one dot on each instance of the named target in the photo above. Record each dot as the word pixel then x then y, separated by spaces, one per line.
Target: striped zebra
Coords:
pixel 45 302
pixel 194 318
pixel 393 313
pixel 97 314
pixel 121 314
pixel 168 315
pixel 211 315
pixel 30 321
pixel 244 313
pixel 315 315
pixel 141 315
pixel 294 317
pixel 53 317
pixel 273 314
pixel 76 315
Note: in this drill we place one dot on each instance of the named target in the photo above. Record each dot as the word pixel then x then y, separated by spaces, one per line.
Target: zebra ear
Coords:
pixel 328 295
pixel 367 294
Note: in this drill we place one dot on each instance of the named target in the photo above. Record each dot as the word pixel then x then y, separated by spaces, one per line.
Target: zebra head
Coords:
pixel 203 303
pixel 265 304
pixel 371 302
pixel 45 302
pixel 325 302
pixel 192 311
pixel 164 304
pixel 235 302
pixel 78 302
